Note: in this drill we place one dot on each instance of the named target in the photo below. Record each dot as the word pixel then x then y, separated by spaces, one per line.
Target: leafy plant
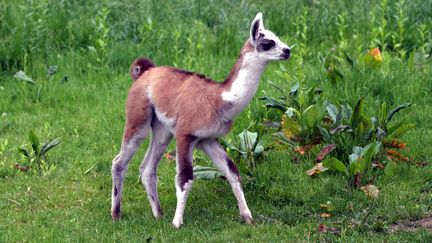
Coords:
pixel 250 149
pixel 206 173
pixel 304 110
pixel 21 75
pixel 37 155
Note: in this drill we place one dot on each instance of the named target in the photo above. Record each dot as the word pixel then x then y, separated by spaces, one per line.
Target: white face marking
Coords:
pixel 275 53
pixel 259 35
pixel 245 85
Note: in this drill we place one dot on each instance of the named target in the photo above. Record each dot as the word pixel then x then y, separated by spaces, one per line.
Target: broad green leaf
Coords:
pixel 353 168
pixel 362 164
pixel 206 173
pixel 290 127
pixel 294 89
pixel 281 137
pixel 259 149
pixel 23 152
pixel 277 86
pixel 333 112
pixel 368 152
pixel 357 115
pixel 335 164
pixel 273 103
pixel 346 112
pixel 383 114
pixel 310 95
pixel 357 153
pixel 247 140
pixel 324 133
pixel 396 110
pixel 401 130
pixel 46 147
pixel 291 112
pixel 34 140
pixel 23 76
pixel 313 114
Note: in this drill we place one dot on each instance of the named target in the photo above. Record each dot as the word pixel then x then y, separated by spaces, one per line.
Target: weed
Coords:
pixel 37 156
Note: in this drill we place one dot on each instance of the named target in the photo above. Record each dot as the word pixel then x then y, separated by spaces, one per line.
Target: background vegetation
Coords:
pixel 75 57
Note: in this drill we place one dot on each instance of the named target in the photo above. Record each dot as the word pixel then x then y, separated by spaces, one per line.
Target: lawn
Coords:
pixel 77 54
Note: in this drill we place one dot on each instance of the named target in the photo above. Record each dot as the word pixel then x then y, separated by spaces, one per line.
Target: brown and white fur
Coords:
pixel 197 111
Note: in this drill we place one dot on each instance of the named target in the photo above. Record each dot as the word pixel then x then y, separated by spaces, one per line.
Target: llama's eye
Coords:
pixel 267 45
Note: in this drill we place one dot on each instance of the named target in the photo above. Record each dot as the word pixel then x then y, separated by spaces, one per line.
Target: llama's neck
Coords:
pixel 242 82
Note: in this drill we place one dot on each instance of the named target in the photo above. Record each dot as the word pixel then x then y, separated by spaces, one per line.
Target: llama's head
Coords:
pixel 266 43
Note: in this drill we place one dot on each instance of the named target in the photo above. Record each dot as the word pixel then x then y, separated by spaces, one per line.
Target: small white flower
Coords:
pixel 4 114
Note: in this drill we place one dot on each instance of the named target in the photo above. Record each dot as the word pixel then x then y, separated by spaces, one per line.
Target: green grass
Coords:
pixel 93 43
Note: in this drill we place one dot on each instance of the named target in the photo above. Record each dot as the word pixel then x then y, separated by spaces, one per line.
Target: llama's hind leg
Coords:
pixel 221 160
pixel 138 119
pixel 120 165
pixel 160 140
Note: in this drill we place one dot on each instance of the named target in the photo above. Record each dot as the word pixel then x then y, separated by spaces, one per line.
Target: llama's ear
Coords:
pixel 256 26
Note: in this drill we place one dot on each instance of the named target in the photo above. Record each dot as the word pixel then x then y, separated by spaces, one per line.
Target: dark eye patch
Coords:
pixel 266 44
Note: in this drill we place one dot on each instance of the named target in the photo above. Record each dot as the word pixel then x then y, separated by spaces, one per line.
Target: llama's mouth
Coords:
pixel 285 56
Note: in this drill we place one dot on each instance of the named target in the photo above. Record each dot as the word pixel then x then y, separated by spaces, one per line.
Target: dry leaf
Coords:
pixel 171 155
pixel 325 215
pixel 326 150
pixel 21 167
pixel 300 150
pixel 395 154
pixel 370 190
pixel 322 228
pixel 394 143
pixel 318 168
pixel 357 180
pixel 329 207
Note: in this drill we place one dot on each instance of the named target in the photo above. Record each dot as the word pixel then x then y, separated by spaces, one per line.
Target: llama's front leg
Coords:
pixel 184 177
pixel 160 139
pixel 221 160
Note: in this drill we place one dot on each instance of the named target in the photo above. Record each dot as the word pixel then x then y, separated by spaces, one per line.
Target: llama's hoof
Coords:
pixel 248 219
pixel 115 213
pixel 159 214
pixel 115 216
pixel 177 223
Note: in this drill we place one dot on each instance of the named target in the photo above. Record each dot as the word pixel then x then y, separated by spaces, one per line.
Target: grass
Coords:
pixel 93 43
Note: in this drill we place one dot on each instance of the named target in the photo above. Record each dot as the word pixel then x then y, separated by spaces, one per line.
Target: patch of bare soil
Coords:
pixel 413 224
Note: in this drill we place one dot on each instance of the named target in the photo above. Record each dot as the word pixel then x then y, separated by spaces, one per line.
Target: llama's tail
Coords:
pixel 139 66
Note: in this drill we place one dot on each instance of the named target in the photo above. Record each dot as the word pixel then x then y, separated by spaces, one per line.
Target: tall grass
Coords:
pixel 93 42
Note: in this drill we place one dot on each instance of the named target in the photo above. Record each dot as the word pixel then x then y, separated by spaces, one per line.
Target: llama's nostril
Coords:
pixel 286 50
